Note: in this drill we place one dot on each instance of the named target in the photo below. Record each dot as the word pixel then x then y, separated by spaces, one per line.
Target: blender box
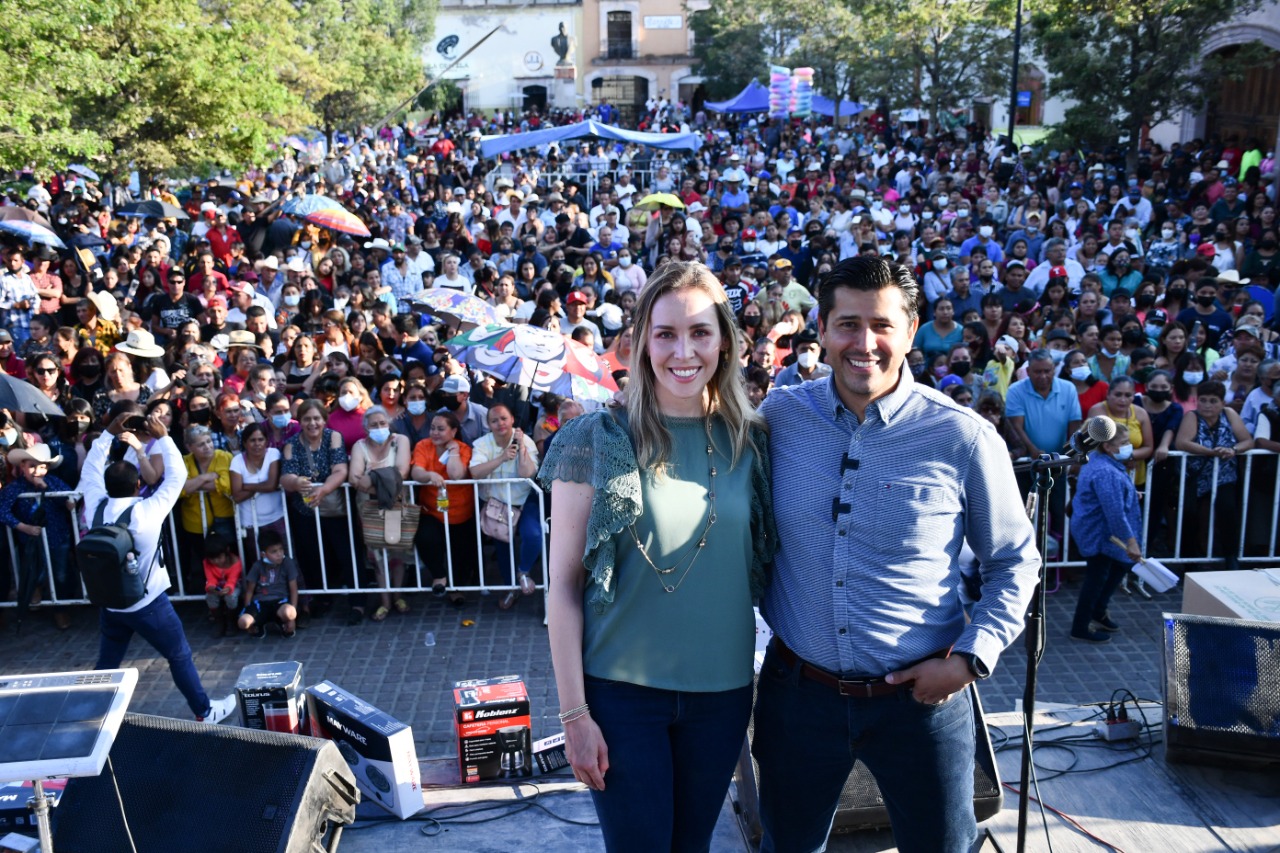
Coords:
pixel 491 717
pixel 270 697
pixel 378 747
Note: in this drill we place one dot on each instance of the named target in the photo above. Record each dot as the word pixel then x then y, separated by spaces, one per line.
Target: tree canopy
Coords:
pixel 167 84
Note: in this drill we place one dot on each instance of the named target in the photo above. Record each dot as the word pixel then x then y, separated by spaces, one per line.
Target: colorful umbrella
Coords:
pixel 151 207
pixel 338 219
pixel 536 358
pixel 31 232
pixel 303 205
pixel 22 213
pixel 456 308
pixel 655 200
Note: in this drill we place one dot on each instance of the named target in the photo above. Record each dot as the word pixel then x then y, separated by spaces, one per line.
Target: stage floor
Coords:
pixel 1140 806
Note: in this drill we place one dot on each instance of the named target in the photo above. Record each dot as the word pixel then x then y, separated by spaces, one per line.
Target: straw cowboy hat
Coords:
pixel 141 343
pixel 37 453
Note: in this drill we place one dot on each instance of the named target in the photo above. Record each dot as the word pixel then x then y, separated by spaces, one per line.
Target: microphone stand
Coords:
pixel 1041 470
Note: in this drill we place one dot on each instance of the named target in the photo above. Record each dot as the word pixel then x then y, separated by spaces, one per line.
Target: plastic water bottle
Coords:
pixel 430 640
pixel 131 564
pixel 442 499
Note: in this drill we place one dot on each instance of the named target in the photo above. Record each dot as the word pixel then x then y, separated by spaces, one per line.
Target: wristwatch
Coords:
pixel 976 666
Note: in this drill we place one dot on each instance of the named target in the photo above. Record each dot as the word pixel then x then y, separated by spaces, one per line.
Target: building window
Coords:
pixel 618 42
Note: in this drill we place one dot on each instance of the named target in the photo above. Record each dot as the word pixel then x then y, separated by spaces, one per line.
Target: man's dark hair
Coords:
pixel 255 311
pixel 120 407
pixel 868 273
pixel 120 479
pixel 405 324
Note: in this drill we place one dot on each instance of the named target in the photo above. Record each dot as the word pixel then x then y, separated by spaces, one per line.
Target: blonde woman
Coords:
pixel 663 525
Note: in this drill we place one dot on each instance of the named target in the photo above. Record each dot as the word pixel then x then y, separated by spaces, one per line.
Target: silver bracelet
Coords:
pixel 578 711
pixel 566 721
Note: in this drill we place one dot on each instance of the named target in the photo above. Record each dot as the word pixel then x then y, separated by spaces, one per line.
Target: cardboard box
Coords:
pixel 15 815
pixel 548 754
pixel 1249 594
pixel 270 697
pixel 378 747
pixel 493 726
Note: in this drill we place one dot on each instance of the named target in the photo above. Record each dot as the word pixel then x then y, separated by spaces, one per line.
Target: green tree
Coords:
pixel 729 41
pixel 1129 63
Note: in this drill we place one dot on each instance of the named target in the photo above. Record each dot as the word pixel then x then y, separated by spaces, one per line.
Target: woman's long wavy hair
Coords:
pixel 726 393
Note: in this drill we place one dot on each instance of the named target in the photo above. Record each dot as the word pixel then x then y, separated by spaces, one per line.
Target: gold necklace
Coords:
pixel 691 553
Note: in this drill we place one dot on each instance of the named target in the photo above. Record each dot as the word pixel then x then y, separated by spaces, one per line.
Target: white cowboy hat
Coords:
pixel 379 243
pixel 244 338
pixel 108 308
pixel 1233 276
pixel 36 453
pixel 141 343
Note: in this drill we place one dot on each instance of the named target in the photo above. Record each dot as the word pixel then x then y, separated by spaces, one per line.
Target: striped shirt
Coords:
pixel 871 518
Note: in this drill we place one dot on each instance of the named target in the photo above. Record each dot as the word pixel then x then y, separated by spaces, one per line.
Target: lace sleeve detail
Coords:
pixel 596 449
pixel 764 528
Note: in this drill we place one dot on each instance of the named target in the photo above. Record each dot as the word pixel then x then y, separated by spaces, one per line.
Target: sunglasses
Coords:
pixel 46 370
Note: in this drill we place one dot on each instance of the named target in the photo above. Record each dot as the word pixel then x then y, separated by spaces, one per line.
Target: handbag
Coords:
pixel 393 528
pixel 496 520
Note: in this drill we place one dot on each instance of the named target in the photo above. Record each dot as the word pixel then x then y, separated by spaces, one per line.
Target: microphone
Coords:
pixel 1095 431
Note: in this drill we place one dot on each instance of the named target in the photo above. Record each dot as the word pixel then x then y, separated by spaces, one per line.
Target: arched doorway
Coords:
pixel 1250 107
pixel 535 98
pixel 626 92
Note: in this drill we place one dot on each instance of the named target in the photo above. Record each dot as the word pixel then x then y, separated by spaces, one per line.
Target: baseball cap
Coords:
pixel 732 261
pixel 1059 335
pixel 1058 272
pixel 1008 341
pixel 1157 316
pixel 575 298
pixel 456 385
pixel 748 234
pixel 781 264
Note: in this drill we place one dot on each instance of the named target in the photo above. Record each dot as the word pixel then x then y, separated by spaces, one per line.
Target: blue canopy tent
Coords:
pixel 493 146
pixel 753 99
pixel 826 107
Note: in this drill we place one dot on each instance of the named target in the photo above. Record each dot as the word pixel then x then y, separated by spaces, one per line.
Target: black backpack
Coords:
pixel 108 563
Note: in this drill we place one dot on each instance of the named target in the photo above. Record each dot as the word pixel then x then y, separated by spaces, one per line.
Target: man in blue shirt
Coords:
pixel 872 648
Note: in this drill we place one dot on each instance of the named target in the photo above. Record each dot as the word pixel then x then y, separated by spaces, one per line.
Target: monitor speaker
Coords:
pixel 1221 691
pixel 201 788
pixel 861 803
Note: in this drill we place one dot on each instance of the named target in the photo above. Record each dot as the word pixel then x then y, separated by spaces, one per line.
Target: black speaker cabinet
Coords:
pixel 201 788
pixel 861 804
pixel 1221 691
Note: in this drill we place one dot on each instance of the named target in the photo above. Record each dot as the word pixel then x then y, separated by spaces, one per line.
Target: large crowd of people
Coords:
pixel 289 360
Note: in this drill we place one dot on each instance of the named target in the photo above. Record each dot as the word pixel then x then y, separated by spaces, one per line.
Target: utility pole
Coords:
pixel 1013 75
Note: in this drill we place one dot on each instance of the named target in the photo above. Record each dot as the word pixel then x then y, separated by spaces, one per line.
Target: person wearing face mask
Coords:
pixel 1165 250
pixel 455 397
pixel 1215 432
pixel 381 449
pixel 415 423
pixel 937 280
pixel 1104 506
pixel 628 276
pixel 986 239
pixel 807 366
pixel 347 418
pixel 1206 311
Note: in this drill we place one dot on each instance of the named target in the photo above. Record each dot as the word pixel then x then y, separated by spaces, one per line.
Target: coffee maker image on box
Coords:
pixel 514 743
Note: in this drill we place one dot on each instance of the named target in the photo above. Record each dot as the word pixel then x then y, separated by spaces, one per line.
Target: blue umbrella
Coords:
pixel 84 171
pixel 32 232
pixel 308 204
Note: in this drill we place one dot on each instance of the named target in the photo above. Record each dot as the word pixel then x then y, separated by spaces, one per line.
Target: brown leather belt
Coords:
pixel 866 688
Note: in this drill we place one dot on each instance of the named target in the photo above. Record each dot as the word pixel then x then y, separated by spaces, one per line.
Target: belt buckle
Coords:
pixel 859 687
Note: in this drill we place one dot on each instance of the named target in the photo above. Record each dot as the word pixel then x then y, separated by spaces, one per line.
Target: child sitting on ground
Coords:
pixel 222 570
pixel 271 589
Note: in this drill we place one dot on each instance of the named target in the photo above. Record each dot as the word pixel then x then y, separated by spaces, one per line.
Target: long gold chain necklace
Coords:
pixel 691 553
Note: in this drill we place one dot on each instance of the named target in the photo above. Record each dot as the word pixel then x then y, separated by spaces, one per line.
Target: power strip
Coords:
pixel 1118 730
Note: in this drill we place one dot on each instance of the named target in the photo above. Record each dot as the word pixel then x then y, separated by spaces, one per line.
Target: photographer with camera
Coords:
pixel 110 486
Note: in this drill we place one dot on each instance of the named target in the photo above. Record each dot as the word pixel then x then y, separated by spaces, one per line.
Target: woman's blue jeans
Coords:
pixel 671 756
pixel 528 547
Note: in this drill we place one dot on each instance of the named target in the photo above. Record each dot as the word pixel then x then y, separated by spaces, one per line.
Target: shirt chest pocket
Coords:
pixel 905 510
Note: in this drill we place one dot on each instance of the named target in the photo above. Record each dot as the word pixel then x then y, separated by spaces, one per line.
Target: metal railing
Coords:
pixel 383 556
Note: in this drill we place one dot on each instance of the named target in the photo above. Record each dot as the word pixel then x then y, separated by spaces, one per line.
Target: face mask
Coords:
pixel 1143 374
pixel 961 368
pixel 962 212
pixel 1267 245
pixel 1206 301
pixel 877 205
pixel 379 435
pixel 280 421
pixel 1080 373
pixel 940 265
pixel 904 210
pixel 748 247
pixel 292 299
pixel 348 402
pixel 1146 300
pixel 1125 452
pixel 341 303
pixel 807 360
pixel 751 320
pixel 624 262
pixel 1193 377
pixel 927 215
pixel 795 244
pixel 986 230
pixel 1161 396
pixel 940 371
pixel 199 416
pixel 917 369
pixel 8 437
pixel 1166 233
pixel 1152 331
pixel 1058 355
pixel 91 371
pixel 1178 293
